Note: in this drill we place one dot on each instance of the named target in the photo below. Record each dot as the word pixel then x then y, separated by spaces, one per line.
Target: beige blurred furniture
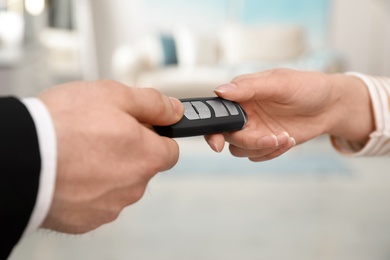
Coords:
pixel 206 60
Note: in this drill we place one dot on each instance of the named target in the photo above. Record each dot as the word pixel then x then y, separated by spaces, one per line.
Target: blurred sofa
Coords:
pixel 188 63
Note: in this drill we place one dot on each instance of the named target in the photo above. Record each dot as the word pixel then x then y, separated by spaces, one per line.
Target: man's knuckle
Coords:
pixel 156 98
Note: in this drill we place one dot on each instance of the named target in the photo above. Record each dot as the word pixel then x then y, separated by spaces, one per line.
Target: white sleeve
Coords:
pixel 379 142
pixel 48 152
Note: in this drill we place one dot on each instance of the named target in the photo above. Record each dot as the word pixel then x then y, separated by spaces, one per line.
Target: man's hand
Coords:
pixel 287 107
pixel 107 152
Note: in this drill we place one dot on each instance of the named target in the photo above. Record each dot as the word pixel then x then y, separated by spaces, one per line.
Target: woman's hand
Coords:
pixel 287 107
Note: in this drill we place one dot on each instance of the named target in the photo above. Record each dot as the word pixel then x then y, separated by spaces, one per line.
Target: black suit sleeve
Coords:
pixel 20 166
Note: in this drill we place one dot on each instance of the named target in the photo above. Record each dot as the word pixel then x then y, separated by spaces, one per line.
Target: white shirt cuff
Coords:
pixel 48 152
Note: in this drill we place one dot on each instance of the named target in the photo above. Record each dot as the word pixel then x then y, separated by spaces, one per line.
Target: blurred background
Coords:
pixel 311 203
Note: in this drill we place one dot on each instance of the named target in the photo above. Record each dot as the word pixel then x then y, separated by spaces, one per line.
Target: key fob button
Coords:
pixel 231 107
pixel 202 108
pixel 219 108
pixel 189 111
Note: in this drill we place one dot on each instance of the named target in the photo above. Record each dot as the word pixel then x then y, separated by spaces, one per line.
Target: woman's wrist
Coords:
pixel 353 116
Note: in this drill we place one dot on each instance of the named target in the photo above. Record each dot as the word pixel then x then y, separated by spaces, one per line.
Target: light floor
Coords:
pixel 308 204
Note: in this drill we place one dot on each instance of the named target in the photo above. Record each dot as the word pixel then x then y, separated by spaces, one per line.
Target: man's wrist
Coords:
pixel 48 151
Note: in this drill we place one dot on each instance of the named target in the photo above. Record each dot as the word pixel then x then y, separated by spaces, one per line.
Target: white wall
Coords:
pixel 360 30
pixel 105 25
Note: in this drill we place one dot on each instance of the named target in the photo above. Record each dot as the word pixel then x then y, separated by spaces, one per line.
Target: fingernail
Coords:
pixel 177 105
pixel 213 146
pixel 225 88
pixel 268 141
pixel 283 138
pixel 293 141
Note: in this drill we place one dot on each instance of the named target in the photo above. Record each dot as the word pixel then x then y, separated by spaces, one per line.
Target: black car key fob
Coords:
pixel 206 115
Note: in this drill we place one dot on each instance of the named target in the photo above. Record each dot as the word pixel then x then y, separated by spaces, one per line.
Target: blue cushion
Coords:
pixel 169 49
